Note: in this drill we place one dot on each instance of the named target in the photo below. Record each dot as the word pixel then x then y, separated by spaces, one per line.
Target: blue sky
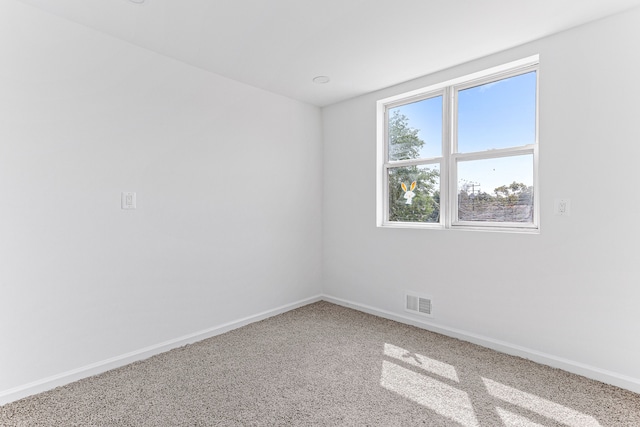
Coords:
pixel 494 115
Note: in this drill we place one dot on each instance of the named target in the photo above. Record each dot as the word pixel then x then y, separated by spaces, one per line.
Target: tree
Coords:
pixel 511 194
pixel 422 203
pixel 516 200
pixel 404 143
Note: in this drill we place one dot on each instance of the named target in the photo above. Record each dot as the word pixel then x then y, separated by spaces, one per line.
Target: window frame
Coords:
pixel 450 157
pixel 392 164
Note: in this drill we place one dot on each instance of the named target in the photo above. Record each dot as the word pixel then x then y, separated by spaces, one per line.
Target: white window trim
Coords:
pixel 447 90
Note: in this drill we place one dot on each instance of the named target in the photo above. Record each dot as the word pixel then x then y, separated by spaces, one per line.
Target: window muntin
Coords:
pixel 488 133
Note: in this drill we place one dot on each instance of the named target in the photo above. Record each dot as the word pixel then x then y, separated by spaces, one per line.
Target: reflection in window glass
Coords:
pixel 414 193
pixel 415 130
pixel 499 114
pixel 496 190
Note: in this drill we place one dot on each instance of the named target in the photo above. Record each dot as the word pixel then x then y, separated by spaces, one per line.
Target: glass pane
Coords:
pixel 499 114
pixel 496 190
pixel 415 130
pixel 414 193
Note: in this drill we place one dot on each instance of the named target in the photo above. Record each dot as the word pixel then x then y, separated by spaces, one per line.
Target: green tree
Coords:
pixel 404 143
pixel 516 201
pixel 424 206
pixel 512 194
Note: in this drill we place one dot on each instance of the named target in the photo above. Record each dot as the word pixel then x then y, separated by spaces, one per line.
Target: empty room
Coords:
pixel 286 212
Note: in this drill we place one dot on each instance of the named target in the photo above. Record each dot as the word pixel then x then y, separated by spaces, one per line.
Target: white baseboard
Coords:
pixel 13 394
pixel 605 376
pixel 602 375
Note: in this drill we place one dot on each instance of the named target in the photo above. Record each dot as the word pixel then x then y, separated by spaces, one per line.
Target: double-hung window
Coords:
pixel 462 154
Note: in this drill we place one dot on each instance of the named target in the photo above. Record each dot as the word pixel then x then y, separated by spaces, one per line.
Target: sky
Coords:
pixel 494 115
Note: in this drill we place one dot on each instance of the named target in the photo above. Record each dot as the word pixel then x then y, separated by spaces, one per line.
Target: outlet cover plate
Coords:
pixel 562 207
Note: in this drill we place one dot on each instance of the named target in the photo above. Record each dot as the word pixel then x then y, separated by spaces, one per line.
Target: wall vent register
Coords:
pixel 419 305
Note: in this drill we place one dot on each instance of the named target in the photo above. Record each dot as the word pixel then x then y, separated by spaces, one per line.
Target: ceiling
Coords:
pixel 362 45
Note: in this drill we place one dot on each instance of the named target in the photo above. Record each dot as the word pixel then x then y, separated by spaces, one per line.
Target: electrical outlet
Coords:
pixel 563 207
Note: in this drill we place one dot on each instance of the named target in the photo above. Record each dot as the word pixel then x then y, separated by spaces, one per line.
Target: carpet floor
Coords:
pixel 326 365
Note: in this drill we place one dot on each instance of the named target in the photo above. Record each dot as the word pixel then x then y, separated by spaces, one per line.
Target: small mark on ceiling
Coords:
pixel 321 80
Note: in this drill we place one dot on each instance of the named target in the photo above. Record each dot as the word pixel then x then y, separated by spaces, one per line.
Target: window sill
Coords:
pixel 440 227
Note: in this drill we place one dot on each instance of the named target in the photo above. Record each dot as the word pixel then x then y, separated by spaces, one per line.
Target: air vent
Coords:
pixel 419 305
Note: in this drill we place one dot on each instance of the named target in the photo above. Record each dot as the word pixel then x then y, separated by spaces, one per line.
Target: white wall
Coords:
pixel 568 295
pixel 230 206
pixel 228 181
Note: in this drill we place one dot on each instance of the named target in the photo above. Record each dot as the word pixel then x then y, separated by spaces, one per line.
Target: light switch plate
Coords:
pixel 128 200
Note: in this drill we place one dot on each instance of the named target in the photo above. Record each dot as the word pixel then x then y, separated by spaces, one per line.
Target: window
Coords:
pixel 463 154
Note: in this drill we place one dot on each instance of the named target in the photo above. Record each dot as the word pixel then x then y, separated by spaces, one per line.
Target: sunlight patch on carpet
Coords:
pixel 544 407
pixel 423 362
pixel 511 419
pixel 442 398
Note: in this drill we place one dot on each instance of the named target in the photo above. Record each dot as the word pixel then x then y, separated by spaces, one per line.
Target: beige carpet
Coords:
pixel 327 365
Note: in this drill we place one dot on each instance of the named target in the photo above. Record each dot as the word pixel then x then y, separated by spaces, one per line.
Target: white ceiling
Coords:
pixel 362 45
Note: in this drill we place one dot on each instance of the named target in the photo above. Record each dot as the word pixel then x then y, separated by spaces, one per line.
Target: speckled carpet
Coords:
pixel 326 365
